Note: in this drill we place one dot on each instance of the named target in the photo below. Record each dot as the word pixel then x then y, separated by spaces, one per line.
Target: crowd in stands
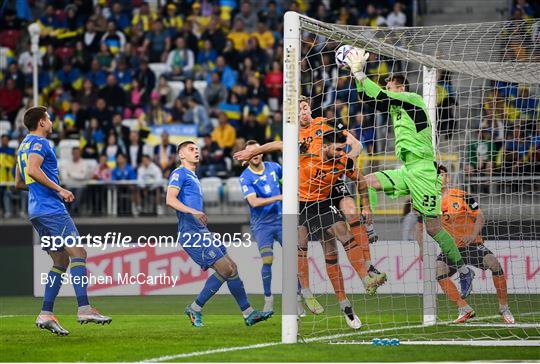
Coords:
pixel 102 62
pixel 212 65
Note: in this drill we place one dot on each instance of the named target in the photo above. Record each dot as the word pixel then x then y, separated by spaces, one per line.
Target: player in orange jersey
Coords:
pixel 310 135
pixel 463 219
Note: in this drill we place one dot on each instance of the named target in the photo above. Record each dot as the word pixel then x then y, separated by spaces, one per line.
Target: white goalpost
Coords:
pixel 481 86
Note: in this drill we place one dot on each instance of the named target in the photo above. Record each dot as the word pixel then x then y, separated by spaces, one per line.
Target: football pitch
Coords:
pixel 153 328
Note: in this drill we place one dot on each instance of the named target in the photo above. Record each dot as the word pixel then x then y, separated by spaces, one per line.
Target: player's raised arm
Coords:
pixel 247 154
pixel 479 222
pixel 34 170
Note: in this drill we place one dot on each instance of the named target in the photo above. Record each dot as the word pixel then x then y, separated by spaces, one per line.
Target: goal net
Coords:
pixel 480 85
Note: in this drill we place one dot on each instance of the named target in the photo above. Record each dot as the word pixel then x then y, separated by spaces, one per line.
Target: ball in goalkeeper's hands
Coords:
pixel 341 53
pixel 356 59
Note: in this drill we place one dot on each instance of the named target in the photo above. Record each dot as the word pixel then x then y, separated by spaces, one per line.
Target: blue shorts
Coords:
pixel 60 225
pixel 265 236
pixel 201 247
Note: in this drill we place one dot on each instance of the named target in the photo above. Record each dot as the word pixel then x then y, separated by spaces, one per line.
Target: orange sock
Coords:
pixel 450 289
pixel 356 257
pixel 500 286
pixel 360 238
pixel 303 267
pixel 336 276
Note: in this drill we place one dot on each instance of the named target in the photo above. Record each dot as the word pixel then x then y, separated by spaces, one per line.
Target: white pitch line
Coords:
pixel 308 340
pixel 534 343
pixel 211 351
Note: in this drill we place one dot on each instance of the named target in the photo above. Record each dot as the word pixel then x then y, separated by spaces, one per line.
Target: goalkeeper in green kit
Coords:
pixel 418 175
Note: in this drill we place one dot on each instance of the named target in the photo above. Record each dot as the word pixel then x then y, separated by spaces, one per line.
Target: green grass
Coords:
pixel 152 326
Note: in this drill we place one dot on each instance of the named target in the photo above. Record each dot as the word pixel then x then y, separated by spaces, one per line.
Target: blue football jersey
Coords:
pixel 42 200
pixel 190 195
pixel 266 183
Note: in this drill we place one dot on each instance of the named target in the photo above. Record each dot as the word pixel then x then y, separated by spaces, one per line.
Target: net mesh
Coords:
pixel 488 138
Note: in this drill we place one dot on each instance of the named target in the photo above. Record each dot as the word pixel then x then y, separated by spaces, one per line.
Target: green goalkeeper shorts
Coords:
pixel 418 178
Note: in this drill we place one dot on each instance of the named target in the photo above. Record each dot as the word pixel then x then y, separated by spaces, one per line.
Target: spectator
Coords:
pixel 112 149
pixel 238 35
pixel 26 62
pixel 228 76
pixel 15 74
pixel 251 129
pixel 190 91
pixel 96 75
pixel 91 38
pixel 102 114
pixel 123 74
pixel 481 155
pixel 524 7
pixel 120 130
pixel 172 20
pixel 180 61
pixel 177 112
pixel 74 120
pixel 230 55
pixel 137 100
pixel 212 158
pixel 224 134
pixel 102 172
pixel 257 107
pixel 146 77
pixel 273 16
pixel 149 179
pixel 274 83
pixel 145 17
pixel 253 51
pixel 87 96
pixel 446 102
pixel 197 114
pixel 233 109
pixel 7 173
pixel 10 100
pixel 165 155
pixel 128 198
pixel 264 37
pixel 157 114
pixel 215 35
pixel 397 17
pixel 75 173
pixel 94 134
pixel 215 92
pixel 119 17
pixel 90 151
pixel 70 78
pixel 135 149
pixel 206 59
pixel 164 91
pixel 99 19
pixel 114 39
pixel 515 151
pixel 123 171
pixel 114 94
pixel 104 57
pixel 247 17
pixel 157 43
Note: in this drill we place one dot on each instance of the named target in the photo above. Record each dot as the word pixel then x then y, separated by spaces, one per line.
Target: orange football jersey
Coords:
pixel 317 176
pixel 311 136
pixel 459 215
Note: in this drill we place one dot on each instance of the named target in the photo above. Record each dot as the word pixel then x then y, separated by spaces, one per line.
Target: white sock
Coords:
pixel 344 303
pixel 46 313
pixel 247 311
pixel 306 293
pixel 463 269
pixel 503 307
pixel 84 308
pixel 196 307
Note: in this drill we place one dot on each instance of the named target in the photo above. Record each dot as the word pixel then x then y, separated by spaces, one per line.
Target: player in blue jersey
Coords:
pixel 37 171
pixel 261 186
pixel 184 194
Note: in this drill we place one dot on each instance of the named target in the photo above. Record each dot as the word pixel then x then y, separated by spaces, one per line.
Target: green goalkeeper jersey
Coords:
pixel 412 127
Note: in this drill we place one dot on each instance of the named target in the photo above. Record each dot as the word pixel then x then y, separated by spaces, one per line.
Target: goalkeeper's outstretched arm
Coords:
pixel 356 60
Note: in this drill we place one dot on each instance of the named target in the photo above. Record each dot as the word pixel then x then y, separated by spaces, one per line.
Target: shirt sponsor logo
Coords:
pixel 36 146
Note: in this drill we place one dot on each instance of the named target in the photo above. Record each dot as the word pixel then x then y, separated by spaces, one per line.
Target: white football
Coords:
pixel 341 53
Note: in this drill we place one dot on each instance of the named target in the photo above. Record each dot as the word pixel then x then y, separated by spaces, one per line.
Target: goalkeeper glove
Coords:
pixel 356 60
